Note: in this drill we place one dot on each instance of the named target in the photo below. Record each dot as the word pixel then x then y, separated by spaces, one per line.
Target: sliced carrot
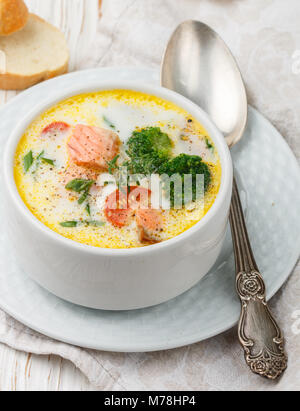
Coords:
pixel 56 127
pixel 118 218
pixel 117 210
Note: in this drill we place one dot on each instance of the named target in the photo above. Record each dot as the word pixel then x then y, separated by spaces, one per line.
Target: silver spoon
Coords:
pixel 199 65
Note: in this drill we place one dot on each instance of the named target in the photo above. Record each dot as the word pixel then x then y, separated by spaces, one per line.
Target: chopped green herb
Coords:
pixel 91 223
pixel 40 155
pixel 112 165
pixel 88 209
pixel 95 223
pixel 208 144
pixel 79 185
pixel 109 123
pixel 48 161
pixel 38 160
pixel 69 224
pixel 28 161
pixel 83 197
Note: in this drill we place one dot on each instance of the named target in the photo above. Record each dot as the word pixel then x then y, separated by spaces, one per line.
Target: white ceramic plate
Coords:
pixel 270 177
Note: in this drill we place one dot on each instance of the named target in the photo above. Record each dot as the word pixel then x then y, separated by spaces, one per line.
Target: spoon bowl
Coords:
pixel 206 72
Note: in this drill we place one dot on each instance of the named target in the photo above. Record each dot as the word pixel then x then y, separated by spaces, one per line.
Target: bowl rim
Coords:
pixel 98 86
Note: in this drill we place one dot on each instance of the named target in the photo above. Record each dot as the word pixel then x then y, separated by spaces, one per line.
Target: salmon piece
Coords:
pixel 150 225
pixel 73 172
pixel 93 147
pixel 55 128
pixel 118 218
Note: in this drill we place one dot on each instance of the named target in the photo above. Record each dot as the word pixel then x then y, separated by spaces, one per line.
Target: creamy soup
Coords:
pixel 71 161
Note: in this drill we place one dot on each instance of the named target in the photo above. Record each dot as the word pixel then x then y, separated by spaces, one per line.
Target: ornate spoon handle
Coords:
pixel 259 333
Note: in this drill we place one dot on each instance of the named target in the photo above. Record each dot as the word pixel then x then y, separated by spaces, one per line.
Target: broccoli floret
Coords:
pixel 146 164
pixel 185 164
pixel 150 152
pixel 150 139
pixel 148 149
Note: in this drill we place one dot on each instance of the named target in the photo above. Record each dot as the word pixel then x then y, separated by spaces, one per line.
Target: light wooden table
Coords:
pixel 18 370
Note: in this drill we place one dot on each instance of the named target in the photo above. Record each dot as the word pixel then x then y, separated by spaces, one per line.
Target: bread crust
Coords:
pixel 10 81
pixel 13 16
pixel 14 81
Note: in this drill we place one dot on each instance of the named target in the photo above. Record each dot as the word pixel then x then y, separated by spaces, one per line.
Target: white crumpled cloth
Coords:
pixel 264 35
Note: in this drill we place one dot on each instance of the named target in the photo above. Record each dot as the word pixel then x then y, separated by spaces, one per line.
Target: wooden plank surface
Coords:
pixel 21 371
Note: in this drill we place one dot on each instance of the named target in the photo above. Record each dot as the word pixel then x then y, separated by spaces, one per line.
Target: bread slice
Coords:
pixel 37 52
pixel 13 16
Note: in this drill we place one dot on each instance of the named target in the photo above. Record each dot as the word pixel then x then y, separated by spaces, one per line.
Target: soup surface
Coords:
pixel 71 161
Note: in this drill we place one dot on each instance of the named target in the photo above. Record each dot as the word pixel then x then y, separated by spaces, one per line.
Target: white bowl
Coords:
pixel 113 279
